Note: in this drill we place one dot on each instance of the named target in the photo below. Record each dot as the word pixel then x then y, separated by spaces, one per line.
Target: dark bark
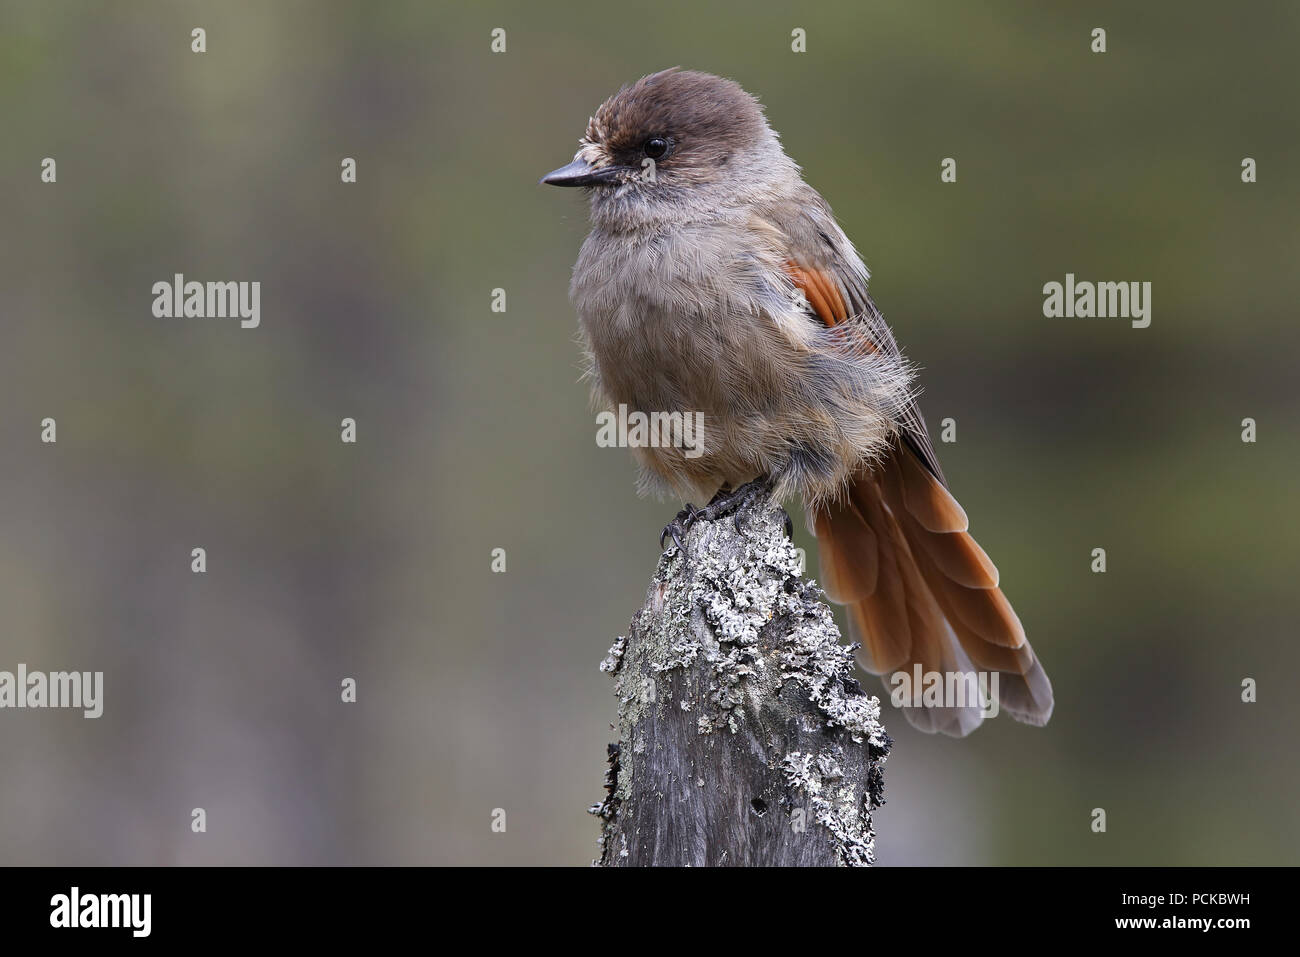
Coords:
pixel 744 737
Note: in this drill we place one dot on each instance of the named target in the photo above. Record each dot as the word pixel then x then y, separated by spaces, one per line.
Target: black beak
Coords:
pixel 579 173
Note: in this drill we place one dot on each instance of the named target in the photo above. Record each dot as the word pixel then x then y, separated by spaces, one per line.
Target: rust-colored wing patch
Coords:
pixel 822 292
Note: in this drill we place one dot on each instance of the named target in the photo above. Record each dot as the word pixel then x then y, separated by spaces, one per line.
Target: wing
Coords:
pixel 824 266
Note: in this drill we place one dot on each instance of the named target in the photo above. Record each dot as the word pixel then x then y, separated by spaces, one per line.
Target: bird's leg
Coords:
pixel 727 502
pixel 730 502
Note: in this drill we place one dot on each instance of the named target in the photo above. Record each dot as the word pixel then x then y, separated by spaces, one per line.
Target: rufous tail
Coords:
pixel 920 591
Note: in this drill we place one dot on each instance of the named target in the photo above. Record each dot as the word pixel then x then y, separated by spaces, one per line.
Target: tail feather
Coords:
pixel 860 568
pixel 920 591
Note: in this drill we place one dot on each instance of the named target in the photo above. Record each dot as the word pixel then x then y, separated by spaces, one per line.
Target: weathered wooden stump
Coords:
pixel 743 736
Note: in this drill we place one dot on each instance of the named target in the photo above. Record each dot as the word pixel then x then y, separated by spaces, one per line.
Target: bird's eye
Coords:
pixel 656 147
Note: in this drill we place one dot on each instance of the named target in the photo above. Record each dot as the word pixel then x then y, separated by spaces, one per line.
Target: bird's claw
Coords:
pixel 679 526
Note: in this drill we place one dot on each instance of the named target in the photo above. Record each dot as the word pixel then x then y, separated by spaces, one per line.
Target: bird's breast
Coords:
pixel 678 320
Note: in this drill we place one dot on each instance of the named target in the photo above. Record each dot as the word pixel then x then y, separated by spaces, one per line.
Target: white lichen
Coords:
pixel 833 804
pixel 614 658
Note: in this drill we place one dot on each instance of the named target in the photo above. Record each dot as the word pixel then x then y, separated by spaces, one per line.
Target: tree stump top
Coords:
pixel 744 736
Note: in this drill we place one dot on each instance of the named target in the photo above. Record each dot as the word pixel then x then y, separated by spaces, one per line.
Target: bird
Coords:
pixel 714 280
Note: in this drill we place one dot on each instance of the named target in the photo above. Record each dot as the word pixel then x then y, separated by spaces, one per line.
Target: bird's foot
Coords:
pixel 730 502
pixel 679 526
pixel 726 502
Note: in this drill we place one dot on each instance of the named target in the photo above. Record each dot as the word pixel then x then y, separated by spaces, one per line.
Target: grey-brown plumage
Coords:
pixel 714 280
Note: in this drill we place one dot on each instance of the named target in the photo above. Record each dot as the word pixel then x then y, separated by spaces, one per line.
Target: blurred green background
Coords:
pixel 480 691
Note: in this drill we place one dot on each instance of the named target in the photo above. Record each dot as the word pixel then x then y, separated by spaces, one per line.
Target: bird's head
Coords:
pixel 673 146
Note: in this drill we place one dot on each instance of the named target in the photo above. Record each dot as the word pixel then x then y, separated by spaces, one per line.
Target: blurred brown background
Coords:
pixel 480 691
